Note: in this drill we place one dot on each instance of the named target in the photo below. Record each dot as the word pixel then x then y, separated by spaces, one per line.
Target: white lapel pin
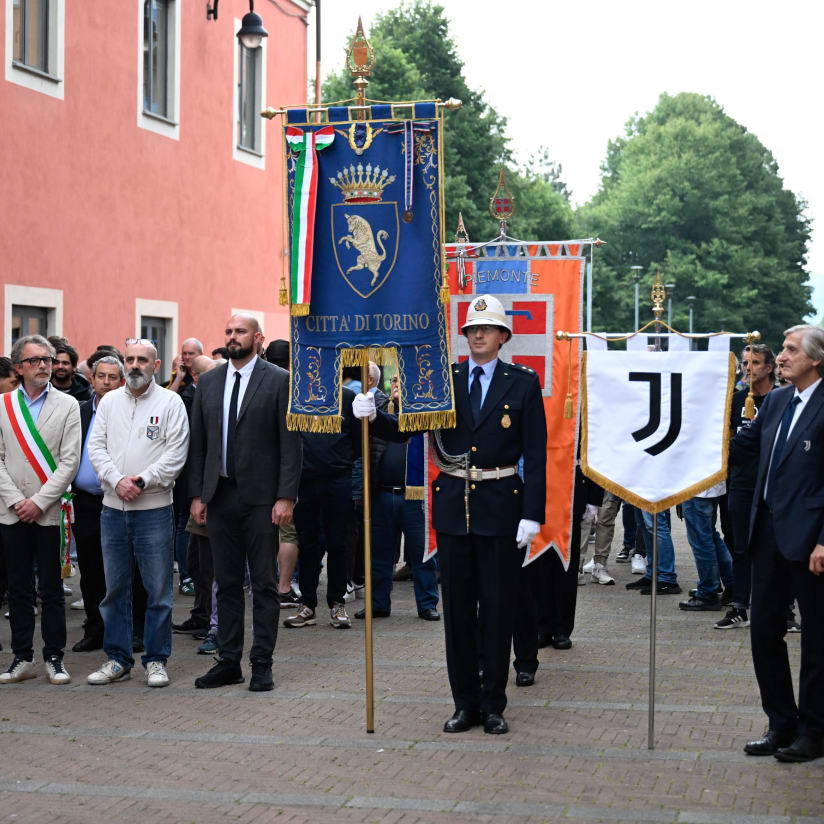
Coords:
pixel 807 445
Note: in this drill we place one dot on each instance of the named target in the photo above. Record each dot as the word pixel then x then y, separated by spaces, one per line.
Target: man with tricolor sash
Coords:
pixel 39 456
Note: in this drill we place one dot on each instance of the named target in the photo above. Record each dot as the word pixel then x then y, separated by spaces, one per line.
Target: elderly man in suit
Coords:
pixel 39 456
pixel 787 546
pixel 244 470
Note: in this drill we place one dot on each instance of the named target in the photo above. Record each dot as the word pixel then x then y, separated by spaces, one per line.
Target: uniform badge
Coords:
pixel 506 421
pixel 153 429
pixel 480 305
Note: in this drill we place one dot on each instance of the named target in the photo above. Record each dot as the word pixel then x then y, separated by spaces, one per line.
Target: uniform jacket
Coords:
pixel 267 454
pixel 59 426
pixel 798 495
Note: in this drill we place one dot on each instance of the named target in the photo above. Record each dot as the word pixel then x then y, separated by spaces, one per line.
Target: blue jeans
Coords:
pixel 712 558
pixel 392 514
pixel 148 536
pixel 666 551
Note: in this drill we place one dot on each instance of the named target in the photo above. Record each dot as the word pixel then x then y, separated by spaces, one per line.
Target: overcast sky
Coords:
pixel 569 75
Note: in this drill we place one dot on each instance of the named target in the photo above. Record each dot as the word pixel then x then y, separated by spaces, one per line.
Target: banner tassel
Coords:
pixel 749 406
pixel 283 296
pixel 568 405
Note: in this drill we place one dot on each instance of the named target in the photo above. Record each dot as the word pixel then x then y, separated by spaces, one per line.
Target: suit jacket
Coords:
pixel 59 427
pixel 267 454
pixel 798 493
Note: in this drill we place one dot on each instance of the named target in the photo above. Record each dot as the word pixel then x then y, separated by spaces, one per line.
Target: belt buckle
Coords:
pixel 475 474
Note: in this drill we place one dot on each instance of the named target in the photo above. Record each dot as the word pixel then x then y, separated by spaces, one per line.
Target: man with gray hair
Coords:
pixel 39 455
pixel 786 541
pixel 138 447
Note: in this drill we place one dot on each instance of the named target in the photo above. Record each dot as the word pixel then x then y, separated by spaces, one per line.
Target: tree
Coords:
pixel 691 192
pixel 416 58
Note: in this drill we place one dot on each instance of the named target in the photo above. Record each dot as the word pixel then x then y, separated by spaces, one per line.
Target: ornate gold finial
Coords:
pixel 461 235
pixel 360 60
pixel 502 203
pixel 658 296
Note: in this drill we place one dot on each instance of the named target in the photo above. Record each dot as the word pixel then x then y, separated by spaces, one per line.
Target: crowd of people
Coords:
pixel 99 459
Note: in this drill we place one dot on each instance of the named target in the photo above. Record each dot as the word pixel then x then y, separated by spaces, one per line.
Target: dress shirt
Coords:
pixel 486 378
pixel 87 479
pixel 245 374
pixel 34 406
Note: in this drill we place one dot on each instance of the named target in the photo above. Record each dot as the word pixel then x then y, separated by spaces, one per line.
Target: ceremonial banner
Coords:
pixel 655 425
pixel 366 276
pixel 540 286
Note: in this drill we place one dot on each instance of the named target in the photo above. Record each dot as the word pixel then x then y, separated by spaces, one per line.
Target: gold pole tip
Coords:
pixel 452 104
pixel 756 335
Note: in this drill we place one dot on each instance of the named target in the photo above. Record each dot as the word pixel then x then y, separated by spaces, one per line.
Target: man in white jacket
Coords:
pixel 138 447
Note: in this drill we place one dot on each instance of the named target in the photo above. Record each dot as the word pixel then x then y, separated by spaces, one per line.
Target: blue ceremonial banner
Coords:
pixel 367 276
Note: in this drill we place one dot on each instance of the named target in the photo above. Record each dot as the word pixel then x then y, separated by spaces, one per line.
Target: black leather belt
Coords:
pixel 395 490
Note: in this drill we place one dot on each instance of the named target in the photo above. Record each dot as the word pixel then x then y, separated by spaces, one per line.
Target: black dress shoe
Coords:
pixel 189 627
pixel 261 680
pixel 524 679
pixel 562 642
pixel 221 674
pixel 769 744
pixel 544 640
pixel 462 721
pixel 88 643
pixel 804 748
pixel 494 724
pixel 376 613
pixel 429 614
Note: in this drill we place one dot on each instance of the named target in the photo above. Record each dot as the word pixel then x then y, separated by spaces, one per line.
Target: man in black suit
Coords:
pixel 244 465
pixel 787 546
pixel 483 512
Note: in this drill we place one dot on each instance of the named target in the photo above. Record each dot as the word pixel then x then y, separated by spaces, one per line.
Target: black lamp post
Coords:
pixel 251 31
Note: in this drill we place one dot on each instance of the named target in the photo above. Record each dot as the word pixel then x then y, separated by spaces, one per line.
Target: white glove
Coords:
pixel 527 530
pixel 591 512
pixel 364 406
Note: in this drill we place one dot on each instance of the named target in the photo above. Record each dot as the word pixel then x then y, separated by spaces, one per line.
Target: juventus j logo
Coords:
pixel 654 422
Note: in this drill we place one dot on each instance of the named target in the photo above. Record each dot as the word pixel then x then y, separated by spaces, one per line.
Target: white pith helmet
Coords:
pixel 487 310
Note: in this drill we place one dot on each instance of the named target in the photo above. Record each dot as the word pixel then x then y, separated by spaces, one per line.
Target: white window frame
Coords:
pixel 167 126
pixel 50 83
pixel 49 299
pixel 257 159
pixel 166 309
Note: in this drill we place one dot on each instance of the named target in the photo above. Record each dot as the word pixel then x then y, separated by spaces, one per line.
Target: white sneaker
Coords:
pixel 639 564
pixel 338 617
pixel 67 590
pixel 350 593
pixel 77 604
pixel 56 672
pixel 110 671
pixel 589 566
pixel 360 591
pixel 19 670
pixel 583 579
pixel 601 576
pixel 156 675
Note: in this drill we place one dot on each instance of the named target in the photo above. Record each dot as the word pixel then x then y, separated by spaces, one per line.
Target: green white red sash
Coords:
pixel 307 145
pixel 42 462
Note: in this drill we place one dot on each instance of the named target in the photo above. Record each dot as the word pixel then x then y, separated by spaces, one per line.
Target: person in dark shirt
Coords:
pixel 65 376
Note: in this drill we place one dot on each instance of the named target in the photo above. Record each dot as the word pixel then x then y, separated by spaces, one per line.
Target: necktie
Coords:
pixel 786 420
pixel 475 394
pixel 230 431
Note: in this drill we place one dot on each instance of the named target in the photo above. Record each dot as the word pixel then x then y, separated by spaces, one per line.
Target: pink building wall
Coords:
pixel 108 212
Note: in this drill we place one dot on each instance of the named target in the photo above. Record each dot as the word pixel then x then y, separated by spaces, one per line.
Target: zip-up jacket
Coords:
pixel 147 435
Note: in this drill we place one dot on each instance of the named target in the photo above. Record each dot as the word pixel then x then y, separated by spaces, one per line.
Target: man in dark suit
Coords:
pixel 244 465
pixel 483 512
pixel 787 546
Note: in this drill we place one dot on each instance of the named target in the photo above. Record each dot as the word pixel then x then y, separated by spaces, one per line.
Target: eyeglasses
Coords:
pixel 35 362
pixel 140 342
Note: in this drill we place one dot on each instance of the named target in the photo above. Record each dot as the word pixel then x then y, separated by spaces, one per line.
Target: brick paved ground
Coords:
pixel 577 749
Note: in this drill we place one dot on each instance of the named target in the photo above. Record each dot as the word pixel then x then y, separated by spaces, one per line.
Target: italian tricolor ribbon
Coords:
pixel 43 464
pixel 307 144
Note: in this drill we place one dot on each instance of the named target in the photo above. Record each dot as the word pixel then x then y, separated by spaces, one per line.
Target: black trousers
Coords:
pixel 238 532
pixel 25 545
pixel 559 589
pixel 525 627
pixel 739 502
pixel 478 573
pixel 86 528
pixel 202 572
pixel 774 581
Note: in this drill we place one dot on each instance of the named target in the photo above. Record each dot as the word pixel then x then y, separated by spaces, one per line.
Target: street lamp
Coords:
pixel 251 31
pixel 636 273
pixel 691 301
pixel 670 287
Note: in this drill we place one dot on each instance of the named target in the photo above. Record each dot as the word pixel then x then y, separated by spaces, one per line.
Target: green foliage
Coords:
pixel 691 192
pixel 416 58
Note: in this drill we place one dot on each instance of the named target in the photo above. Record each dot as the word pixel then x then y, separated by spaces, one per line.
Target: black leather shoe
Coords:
pixel 770 743
pixel 524 679
pixel 376 613
pixel 189 627
pixel 494 724
pixel 804 748
pixel 221 674
pixel 429 614
pixel 544 640
pixel 562 642
pixel 261 680
pixel 88 643
pixel 462 721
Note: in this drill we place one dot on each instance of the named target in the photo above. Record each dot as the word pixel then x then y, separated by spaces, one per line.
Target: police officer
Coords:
pixel 483 511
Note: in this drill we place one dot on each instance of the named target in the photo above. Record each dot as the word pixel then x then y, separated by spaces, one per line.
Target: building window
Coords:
pixel 156 320
pixel 29 320
pixel 31 33
pixel 35 44
pixel 157 331
pixel 249 98
pixel 156 51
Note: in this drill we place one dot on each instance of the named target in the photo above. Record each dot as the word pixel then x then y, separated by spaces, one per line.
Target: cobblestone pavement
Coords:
pixel 577 750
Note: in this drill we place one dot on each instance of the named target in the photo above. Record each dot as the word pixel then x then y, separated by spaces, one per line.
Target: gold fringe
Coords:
pixel 313 423
pixel 422 421
pixel 414 493
pixel 390 407
pixel 358 356
pixel 749 406
pixel 568 406
pixel 445 294
pixel 299 310
pixel 66 570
